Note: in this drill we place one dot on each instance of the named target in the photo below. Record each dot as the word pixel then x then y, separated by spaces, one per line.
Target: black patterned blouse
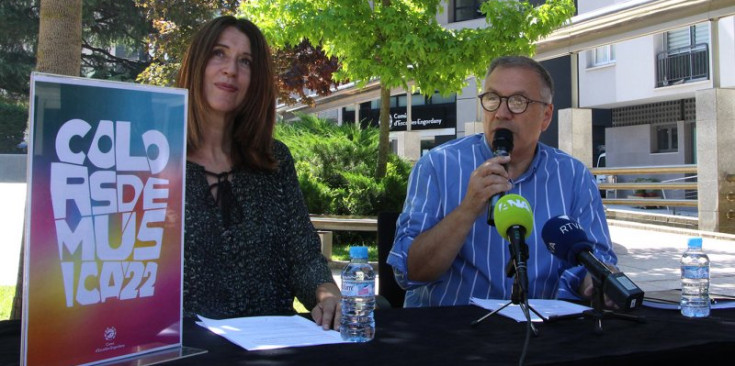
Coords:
pixel 269 253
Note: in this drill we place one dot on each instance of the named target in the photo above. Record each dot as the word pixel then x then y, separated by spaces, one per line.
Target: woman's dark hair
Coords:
pixel 253 122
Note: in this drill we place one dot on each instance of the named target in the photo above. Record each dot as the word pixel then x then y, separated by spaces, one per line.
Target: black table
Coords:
pixel 443 336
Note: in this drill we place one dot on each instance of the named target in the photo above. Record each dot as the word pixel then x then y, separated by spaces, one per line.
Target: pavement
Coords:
pixel 648 254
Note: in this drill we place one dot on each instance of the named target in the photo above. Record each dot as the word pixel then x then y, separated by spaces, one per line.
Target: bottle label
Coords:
pixel 695 272
pixel 358 288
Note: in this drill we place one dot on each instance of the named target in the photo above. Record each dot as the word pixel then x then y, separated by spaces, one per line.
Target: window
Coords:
pixel 603 55
pixel 683 38
pixel 685 56
pixel 417 99
pixel 401 101
pixel 467 9
pixel 665 138
pixel 438 99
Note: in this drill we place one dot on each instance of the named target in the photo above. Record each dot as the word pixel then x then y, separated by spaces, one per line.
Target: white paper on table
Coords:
pixel 270 332
pixel 549 309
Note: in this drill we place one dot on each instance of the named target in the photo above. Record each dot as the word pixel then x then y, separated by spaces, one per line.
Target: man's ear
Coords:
pixel 548 114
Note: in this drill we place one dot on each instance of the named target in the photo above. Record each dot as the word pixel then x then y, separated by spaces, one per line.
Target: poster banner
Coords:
pixel 104 220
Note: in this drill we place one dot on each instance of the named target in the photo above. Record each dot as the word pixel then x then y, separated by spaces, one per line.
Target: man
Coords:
pixel 444 250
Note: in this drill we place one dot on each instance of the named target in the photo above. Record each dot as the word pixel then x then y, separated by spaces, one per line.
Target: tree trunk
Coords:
pixel 384 123
pixel 60 37
pixel 59 52
pixel 384 140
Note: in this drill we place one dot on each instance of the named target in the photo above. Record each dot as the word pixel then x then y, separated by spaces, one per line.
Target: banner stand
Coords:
pixel 103 254
pixel 157 357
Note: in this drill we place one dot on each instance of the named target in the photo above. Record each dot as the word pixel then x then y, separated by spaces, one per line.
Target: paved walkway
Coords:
pixel 648 254
pixel 12 205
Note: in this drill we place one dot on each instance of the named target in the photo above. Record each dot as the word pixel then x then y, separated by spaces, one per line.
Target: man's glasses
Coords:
pixel 516 103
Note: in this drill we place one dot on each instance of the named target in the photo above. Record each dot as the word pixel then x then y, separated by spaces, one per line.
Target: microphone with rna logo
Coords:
pixel 566 240
pixel 502 146
pixel 514 222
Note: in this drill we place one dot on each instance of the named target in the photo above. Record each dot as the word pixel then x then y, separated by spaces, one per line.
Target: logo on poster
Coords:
pixel 110 334
pixel 109 209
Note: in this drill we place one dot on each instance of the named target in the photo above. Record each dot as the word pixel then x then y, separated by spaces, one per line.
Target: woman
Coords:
pixel 249 244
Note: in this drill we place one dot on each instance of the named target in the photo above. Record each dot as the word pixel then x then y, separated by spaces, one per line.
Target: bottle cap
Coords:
pixel 695 243
pixel 359 252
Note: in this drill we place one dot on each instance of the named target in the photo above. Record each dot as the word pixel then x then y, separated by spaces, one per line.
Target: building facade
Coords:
pixel 651 76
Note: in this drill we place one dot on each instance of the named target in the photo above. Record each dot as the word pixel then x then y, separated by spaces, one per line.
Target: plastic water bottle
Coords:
pixel 695 281
pixel 358 298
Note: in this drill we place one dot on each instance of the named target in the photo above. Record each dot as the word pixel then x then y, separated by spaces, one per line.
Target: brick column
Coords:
pixel 575 133
pixel 715 150
pixel 408 144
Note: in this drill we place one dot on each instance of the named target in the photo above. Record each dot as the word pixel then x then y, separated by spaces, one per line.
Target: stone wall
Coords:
pixel 13 168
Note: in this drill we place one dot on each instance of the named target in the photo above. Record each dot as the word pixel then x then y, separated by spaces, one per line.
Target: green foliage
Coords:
pixel 174 23
pixel 335 166
pixel 119 24
pixel 401 41
pixel 12 126
pixel 298 68
pixel 6 301
pixel 104 24
pixel 342 253
pixel 19 29
pixel 646 192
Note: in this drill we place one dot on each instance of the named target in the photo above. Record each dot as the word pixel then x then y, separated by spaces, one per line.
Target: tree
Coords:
pixel 19 27
pixel 114 24
pixel 105 24
pixel 59 37
pixel 303 68
pixel 298 69
pixel 400 41
pixel 59 52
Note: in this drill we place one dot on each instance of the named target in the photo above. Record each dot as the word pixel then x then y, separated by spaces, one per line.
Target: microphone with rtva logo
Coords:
pixel 566 240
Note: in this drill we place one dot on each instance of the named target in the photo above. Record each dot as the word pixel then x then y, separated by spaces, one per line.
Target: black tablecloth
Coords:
pixel 443 336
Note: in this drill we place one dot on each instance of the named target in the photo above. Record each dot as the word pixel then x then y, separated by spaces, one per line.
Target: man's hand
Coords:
pixel 488 179
pixel 587 287
pixel 327 311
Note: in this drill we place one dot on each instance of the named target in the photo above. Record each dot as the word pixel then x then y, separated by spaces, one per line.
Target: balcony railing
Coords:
pixel 682 64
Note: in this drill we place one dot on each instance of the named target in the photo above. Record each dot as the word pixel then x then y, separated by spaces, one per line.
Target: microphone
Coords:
pixel 566 240
pixel 502 146
pixel 514 222
pixel 513 213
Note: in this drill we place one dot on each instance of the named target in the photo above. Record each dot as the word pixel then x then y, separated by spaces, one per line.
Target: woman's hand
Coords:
pixel 327 311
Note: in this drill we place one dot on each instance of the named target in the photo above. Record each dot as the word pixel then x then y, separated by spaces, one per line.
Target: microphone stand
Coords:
pixel 516 268
pixel 597 313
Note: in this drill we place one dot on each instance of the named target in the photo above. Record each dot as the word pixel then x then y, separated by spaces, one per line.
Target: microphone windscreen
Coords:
pixel 513 209
pixel 565 238
pixel 502 142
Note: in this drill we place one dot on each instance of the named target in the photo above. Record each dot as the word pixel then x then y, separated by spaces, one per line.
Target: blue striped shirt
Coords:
pixel 554 184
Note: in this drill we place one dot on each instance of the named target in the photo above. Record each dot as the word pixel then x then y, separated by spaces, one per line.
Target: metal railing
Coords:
pixel 671 184
pixel 682 64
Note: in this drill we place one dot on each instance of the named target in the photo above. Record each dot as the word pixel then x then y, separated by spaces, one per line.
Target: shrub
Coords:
pixel 336 166
pixel 646 192
pixel 13 119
